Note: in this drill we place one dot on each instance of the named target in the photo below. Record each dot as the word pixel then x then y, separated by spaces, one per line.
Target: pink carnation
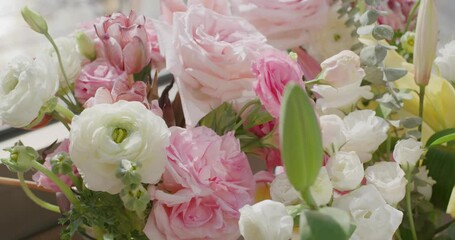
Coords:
pixel 274 70
pixel 94 75
pixel 206 181
pixel 43 180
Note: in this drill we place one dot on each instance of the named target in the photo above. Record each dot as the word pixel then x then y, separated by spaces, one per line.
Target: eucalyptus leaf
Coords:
pixel 374 75
pixel 414 133
pixel 326 223
pixel 411 122
pixel 382 32
pixel 301 141
pixel 393 74
pixel 369 17
pixel 373 55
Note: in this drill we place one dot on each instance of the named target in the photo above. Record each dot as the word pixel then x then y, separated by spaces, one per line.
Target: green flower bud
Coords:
pixel 127 172
pixel 407 42
pixel 135 199
pixel 21 158
pixel 61 164
pixel 86 46
pixel 36 22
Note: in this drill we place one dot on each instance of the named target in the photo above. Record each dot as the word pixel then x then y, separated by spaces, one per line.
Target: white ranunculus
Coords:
pixel 446 61
pixel 364 133
pixel 322 188
pixel 282 191
pixel 424 183
pixel 389 179
pixel 26 84
pixel 71 59
pixel 105 134
pixel 343 98
pixel 407 152
pixel 266 220
pixel 373 217
pixel 331 129
pixel 342 69
pixel 345 170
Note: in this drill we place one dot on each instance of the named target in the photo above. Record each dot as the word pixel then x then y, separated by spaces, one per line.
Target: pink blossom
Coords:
pixel 309 66
pixel 94 75
pixel 263 130
pixel 284 23
pixel 169 7
pixel 398 13
pixel 43 180
pixel 206 181
pixel 272 157
pixel 274 70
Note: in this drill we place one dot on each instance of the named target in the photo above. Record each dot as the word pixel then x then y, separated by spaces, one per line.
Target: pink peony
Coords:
pixel 210 55
pixel 283 22
pixel 398 13
pixel 274 70
pixel 129 41
pixel 43 180
pixel 206 181
pixel 94 75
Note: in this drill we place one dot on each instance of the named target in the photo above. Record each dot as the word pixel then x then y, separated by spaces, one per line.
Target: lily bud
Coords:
pixel 36 22
pixel 21 158
pixel 425 42
pixel 86 46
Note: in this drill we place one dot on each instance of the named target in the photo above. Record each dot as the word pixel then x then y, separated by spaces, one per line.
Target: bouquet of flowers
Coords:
pixel 334 104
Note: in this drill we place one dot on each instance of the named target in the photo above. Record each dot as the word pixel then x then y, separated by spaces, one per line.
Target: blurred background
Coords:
pixel 19 217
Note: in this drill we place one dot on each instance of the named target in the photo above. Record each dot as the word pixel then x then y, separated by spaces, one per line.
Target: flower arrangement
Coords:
pixel 336 100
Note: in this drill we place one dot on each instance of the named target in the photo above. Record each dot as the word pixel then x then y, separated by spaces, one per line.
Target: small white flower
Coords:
pixel 282 191
pixel 342 69
pixel 332 135
pixel 389 179
pixel 105 134
pixel 424 183
pixel 71 59
pixel 26 84
pixel 345 170
pixel 446 61
pixel 407 152
pixel 373 217
pixel 266 220
pixel 364 133
pixel 322 188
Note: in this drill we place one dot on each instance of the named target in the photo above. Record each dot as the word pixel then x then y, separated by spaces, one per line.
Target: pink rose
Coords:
pixel 206 181
pixel 128 41
pixel 210 55
pixel 283 22
pixel 274 70
pixel 43 180
pixel 169 7
pixel 94 75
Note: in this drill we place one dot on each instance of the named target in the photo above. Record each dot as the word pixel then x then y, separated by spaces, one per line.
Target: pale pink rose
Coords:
pixel 398 13
pixel 169 7
pixel 210 55
pixel 129 41
pixel 206 181
pixel 43 181
pixel 342 69
pixel 274 70
pixel 283 22
pixel 94 75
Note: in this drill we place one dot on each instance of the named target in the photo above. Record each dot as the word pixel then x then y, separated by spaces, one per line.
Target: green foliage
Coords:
pixel 440 137
pixel 221 119
pixel 326 223
pixel 301 141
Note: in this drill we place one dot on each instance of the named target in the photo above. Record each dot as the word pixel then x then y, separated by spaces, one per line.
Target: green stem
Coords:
pixel 64 112
pixel 244 108
pixel 411 15
pixel 408 203
pixel 421 104
pixel 57 116
pixel 63 187
pixel 34 198
pixel 308 198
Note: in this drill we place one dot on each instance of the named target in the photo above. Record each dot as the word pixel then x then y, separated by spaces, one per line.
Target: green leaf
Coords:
pixel 440 137
pixel 373 55
pixel 440 161
pixel 301 141
pixel 221 119
pixel 374 75
pixel 393 74
pixel 411 122
pixel 369 17
pixel 327 223
pixel 382 32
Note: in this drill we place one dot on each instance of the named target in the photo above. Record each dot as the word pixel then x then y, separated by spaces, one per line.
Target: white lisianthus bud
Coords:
pixel 71 59
pixel 26 85
pixel 105 134
pixel 370 212
pixel 36 22
pixel 322 188
pixel 389 179
pixel 446 61
pixel 266 220
pixel 423 183
pixel 407 152
pixel 282 191
pixel 364 133
pixel 332 135
pixel 345 170
pixel 342 69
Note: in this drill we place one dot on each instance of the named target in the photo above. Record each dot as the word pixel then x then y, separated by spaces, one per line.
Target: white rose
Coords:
pixel 266 220
pixel 446 61
pixel 343 98
pixel 342 69
pixel 424 183
pixel 105 134
pixel 322 188
pixel 407 152
pixel 25 86
pixel 373 217
pixel 331 129
pixel 282 191
pixel 364 133
pixel 389 179
pixel 71 59
pixel 345 170
pixel 331 38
